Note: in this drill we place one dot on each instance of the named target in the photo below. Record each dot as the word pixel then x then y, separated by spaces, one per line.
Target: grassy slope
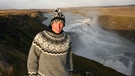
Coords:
pixel 86 65
pixel 17 32
pixel 124 26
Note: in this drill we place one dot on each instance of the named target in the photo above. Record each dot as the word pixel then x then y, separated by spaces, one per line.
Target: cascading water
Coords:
pixel 106 47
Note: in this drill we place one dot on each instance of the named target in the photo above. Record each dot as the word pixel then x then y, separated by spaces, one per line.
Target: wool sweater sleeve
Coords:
pixel 70 60
pixel 32 63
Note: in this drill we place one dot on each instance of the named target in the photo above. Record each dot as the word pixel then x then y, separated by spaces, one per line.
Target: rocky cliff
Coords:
pixel 124 26
pixel 17 30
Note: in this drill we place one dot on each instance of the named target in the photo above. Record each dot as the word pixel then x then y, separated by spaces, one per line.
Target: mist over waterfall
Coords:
pixel 91 41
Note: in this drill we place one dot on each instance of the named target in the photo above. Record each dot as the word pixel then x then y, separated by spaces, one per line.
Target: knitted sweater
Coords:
pixel 50 55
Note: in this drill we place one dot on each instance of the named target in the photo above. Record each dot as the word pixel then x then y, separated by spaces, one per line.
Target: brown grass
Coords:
pixel 128 11
pixel 32 13
pixel 117 22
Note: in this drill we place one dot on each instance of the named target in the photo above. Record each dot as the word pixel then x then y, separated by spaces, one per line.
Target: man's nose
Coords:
pixel 58 25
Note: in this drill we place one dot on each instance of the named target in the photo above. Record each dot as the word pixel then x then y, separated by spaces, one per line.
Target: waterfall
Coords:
pixel 106 47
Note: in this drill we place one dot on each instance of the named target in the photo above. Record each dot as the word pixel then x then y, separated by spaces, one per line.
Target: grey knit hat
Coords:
pixel 58 16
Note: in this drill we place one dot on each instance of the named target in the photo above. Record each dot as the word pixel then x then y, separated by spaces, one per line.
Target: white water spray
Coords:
pixel 105 47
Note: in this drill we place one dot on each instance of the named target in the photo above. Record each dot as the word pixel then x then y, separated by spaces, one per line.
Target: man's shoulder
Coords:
pixel 67 34
pixel 39 34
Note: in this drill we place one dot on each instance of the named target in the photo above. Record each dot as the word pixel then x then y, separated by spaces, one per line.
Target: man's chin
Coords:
pixel 57 32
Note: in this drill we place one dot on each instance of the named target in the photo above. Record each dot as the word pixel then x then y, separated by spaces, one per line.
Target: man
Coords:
pixel 50 53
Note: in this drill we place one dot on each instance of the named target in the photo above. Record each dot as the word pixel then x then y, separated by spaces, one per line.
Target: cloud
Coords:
pixel 14 4
pixel 22 4
pixel 117 2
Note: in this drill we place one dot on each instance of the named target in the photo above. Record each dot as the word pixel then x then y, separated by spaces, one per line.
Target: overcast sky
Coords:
pixel 41 4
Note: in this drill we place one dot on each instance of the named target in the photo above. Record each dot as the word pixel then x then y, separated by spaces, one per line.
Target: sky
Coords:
pixel 51 4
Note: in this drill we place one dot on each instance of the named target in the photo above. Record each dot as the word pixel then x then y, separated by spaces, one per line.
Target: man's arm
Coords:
pixel 70 60
pixel 33 57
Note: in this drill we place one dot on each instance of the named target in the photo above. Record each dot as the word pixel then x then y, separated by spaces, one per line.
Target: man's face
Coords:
pixel 57 26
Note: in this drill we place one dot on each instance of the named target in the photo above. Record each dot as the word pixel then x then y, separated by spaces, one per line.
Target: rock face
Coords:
pixel 17 30
pixel 14 27
pixel 5 67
